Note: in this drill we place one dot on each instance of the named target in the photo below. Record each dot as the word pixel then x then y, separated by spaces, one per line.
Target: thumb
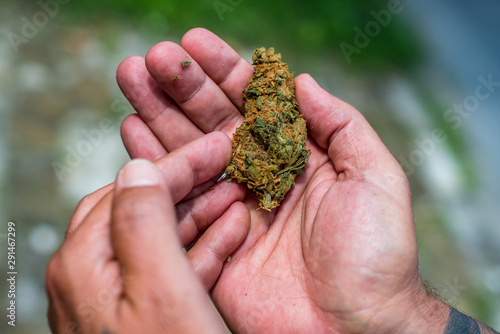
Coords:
pixel 353 146
pixel 157 277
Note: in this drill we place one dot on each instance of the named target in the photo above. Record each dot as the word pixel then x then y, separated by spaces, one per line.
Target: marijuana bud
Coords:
pixel 269 148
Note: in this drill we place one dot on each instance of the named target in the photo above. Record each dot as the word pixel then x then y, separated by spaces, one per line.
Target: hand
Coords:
pixel 339 254
pixel 122 269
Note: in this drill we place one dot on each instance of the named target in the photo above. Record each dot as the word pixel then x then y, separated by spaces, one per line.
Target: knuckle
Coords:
pixel 85 202
pixel 53 273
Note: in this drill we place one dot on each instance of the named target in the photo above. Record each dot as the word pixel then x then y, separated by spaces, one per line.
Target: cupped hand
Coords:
pixel 339 254
pixel 122 269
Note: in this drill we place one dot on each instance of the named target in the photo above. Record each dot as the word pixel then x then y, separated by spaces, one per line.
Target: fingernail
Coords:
pixel 138 173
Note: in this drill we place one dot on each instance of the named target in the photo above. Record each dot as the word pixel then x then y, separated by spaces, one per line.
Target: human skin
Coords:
pixel 339 255
pixel 121 268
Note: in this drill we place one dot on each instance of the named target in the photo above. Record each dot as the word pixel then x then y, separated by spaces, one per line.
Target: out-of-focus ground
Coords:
pixel 60 112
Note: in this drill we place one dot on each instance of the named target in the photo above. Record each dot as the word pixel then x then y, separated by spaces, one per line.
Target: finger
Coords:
pixel 169 124
pixel 216 145
pixel 144 235
pixel 140 142
pixel 195 163
pixel 201 188
pixel 194 92
pixel 220 62
pixel 353 146
pixel 85 205
pixel 182 169
pixel 197 214
pixel 211 251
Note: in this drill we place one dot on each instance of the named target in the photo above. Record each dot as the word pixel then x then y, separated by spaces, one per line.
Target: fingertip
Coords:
pixel 305 78
pixel 198 213
pixel 237 230
pixel 223 238
pixel 220 136
pixel 127 66
pixel 307 88
pixel 128 125
pixel 156 58
pixel 138 173
pixel 243 217
pixel 324 113
pixel 233 227
pixel 129 62
pixel 154 54
pixel 140 142
pixel 157 51
pixel 85 206
pixel 195 39
pixel 221 140
pixel 196 34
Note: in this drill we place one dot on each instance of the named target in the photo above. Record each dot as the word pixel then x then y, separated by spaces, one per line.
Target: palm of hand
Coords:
pixel 339 248
pixel 305 268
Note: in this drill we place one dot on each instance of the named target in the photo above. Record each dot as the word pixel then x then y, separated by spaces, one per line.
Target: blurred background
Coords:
pixel 424 73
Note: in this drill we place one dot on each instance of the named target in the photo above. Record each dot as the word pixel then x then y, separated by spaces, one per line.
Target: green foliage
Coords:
pixel 292 26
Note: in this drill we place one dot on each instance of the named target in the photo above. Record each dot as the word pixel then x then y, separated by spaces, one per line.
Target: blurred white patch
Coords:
pixel 43 239
pixel 492 279
pixel 33 76
pixel 405 105
pixel 90 175
pixel 442 174
pixel 93 57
